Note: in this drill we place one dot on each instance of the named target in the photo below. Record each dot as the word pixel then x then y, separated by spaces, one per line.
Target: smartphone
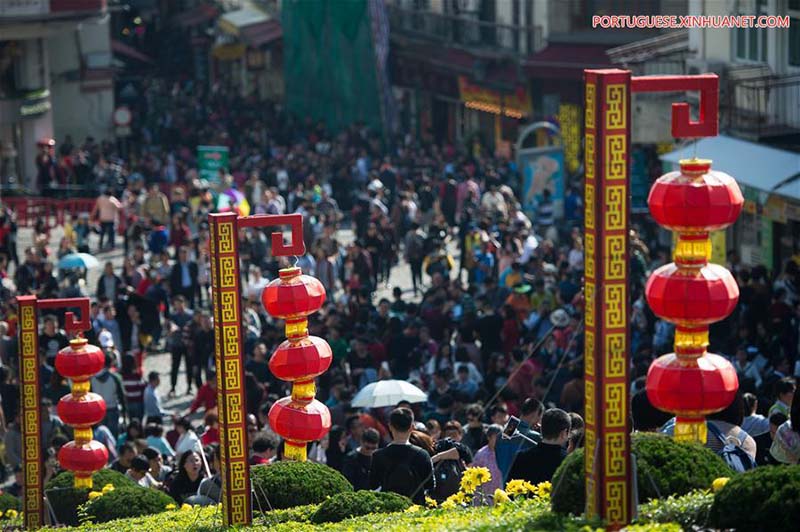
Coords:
pixel 511 427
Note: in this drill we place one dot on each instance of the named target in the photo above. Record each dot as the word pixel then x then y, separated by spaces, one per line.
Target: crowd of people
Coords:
pixel 490 324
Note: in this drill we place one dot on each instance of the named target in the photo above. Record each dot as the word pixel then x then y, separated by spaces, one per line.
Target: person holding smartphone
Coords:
pixel 539 463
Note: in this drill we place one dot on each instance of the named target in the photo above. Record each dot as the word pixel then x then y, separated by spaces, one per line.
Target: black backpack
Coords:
pixel 448 479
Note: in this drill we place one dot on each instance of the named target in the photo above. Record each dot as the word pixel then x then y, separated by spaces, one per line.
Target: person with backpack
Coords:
pixel 726 437
pixel 108 385
pixel 401 467
pixel 450 467
pixel 415 253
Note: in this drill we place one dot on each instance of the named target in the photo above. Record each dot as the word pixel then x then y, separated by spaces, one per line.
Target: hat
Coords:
pixel 106 339
pixel 559 318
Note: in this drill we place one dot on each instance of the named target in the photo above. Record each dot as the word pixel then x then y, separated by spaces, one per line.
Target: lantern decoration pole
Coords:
pixel 30 397
pixel 227 308
pixel 298 418
pixel 691 293
pixel 607 464
pixel 607 332
pixel 30 392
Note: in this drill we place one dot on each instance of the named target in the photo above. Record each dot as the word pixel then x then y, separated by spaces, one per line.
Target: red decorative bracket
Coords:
pixel 279 249
pixel 682 124
pixel 71 325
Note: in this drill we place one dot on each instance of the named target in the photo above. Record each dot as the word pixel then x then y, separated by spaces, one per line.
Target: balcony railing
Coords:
pixel 765 106
pixel 453 30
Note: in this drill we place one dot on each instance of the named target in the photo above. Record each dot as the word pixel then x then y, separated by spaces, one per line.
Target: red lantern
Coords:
pixel 80 361
pixel 695 197
pixel 300 359
pixel 693 294
pixel 300 423
pixel 293 295
pixel 306 358
pixel 81 410
pixel 83 460
pixel 688 295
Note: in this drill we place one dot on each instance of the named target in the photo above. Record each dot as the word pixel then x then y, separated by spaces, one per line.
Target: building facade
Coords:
pixel 55 71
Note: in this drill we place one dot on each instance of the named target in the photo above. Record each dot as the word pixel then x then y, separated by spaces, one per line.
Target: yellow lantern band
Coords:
pixel 303 391
pixel 78 343
pixel 695 167
pixel 691 430
pixel 692 250
pixel 83 436
pixel 691 342
pixel 81 388
pixel 83 482
pixel 297 328
pixel 294 450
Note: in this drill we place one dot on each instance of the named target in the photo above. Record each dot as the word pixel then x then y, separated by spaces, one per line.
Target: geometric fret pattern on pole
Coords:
pixel 607 330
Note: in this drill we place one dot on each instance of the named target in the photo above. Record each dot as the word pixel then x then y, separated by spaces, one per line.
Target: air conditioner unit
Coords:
pixel 703 66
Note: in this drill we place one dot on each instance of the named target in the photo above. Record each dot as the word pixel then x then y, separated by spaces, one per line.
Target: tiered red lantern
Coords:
pixel 691 293
pixel 301 358
pixel 81 409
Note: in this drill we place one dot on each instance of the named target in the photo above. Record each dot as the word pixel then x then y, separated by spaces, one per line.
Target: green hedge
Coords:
pixel 351 504
pixel 127 502
pixel 65 499
pixel 288 484
pixel 664 467
pixel 764 498
pixel 691 511
pixel 9 502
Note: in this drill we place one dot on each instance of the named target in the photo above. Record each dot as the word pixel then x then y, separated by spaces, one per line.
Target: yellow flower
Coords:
pixel 94 494
pixel 500 497
pixel 413 508
pixel 468 484
pixel 482 475
pixel 448 505
pixel 108 487
pixel 719 483
pixel 543 488
pixel 170 506
pixel 516 487
pixel 11 513
pixel 185 507
pixel 431 503
pixel 1 513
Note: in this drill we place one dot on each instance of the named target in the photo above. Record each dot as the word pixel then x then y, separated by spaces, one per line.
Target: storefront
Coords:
pixel 247 52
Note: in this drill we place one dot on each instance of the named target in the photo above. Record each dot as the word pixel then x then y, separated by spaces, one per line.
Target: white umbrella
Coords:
pixel 388 393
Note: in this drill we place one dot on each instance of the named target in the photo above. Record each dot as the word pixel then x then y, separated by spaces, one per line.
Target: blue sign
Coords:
pixel 542 169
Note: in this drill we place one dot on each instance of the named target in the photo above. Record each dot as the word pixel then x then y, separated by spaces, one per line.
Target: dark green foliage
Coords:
pixel 764 498
pixel 287 484
pixel 691 511
pixel 352 504
pixel 127 502
pixel 298 514
pixel 9 502
pixel 65 499
pixel 665 467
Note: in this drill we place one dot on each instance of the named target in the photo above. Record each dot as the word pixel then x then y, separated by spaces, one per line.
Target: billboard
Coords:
pixel 209 160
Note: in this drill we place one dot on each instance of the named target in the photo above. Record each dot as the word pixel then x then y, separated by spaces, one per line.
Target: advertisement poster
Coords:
pixel 209 160
pixel 543 169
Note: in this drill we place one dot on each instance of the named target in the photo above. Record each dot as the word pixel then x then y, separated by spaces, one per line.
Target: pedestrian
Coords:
pixel 357 463
pixel 539 463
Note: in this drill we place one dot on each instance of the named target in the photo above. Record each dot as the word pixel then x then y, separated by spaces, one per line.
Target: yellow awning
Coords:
pixel 228 52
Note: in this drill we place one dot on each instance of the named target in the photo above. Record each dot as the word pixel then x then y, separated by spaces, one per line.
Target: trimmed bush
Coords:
pixel 664 467
pixel 764 498
pixel 287 484
pixel 65 499
pixel 126 502
pixel 351 504
pixel 298 514
pixel 691 511
pixel 9 502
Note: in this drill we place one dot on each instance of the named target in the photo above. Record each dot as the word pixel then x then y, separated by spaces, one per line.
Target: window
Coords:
pixel 794 42
pixel 751 43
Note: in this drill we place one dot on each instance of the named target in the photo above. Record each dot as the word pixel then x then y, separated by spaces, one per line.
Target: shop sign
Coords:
pixel 209 161
pixel 792 211
pixel 228 52
pixel 775 209
pixel 513 105
pixel 255 59
pixel 35 103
